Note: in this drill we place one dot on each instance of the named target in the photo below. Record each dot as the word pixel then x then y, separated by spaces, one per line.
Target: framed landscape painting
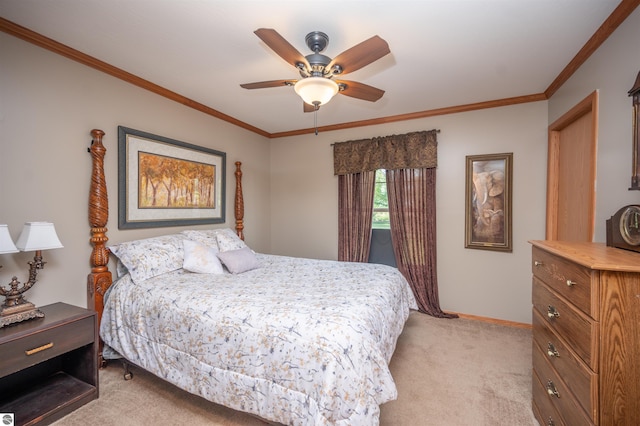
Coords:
pixel 488 202
pixel 165 182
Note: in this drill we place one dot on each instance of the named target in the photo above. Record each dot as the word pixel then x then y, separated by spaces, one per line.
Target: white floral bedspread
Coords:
pixel 296 341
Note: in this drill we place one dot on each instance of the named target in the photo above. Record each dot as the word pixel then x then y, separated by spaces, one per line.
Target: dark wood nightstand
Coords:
pixel 48 366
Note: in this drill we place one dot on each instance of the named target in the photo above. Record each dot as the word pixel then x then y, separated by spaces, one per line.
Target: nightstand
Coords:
pixel 48 366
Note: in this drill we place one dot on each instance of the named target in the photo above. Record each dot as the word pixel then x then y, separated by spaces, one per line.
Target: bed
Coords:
pixel 291 340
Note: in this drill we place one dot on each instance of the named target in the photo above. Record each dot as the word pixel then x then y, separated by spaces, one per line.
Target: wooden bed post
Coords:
pixel 239 205
pixel 100 277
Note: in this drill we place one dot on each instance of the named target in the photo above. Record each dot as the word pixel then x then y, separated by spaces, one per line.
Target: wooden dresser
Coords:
pixel 586 334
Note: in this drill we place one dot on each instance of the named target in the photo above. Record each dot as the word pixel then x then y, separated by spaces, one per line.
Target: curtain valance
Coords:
pixel 409 151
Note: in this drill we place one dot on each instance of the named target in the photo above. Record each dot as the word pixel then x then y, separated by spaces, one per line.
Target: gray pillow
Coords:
pixel 239 261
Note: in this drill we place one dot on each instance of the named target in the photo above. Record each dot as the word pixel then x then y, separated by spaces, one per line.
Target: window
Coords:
pixel 380 201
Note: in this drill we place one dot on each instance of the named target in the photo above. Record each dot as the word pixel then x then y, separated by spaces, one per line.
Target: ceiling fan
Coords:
pixel 317 85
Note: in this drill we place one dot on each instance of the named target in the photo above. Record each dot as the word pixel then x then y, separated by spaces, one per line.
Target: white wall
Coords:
pixel 612 70
pixel 478 282
pixel 48 106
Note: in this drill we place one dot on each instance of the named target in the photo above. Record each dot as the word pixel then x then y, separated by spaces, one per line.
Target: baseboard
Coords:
pixel 494 321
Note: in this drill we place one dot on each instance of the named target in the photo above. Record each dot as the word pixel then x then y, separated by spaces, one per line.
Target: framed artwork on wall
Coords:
pixel 488 202
pixel 165 182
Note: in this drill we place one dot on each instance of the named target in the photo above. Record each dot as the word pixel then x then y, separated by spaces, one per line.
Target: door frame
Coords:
pixel 586 106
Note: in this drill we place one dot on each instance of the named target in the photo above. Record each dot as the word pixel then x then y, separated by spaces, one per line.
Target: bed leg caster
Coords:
pixel 128 374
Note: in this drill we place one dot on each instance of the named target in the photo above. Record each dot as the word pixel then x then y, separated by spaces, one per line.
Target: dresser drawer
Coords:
pixel 557 393
pixel 574 282
pixel 32 349
pixel 543 408
pixel 578 330
pixel 582 382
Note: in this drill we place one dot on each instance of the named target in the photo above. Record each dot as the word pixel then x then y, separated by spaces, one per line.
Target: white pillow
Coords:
pixel 149 257
pixel 228 240
pixel 206 236
pixel 239 261
pixel 201 259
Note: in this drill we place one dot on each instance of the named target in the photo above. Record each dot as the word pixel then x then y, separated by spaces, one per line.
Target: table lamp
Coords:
pixel 35 236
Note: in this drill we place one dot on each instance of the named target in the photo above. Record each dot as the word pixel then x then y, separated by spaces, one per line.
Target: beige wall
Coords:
pixel 612 71
pixel 477 282
pixel 48 106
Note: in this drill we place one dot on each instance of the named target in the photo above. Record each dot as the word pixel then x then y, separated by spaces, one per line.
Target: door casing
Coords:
pixel 571 173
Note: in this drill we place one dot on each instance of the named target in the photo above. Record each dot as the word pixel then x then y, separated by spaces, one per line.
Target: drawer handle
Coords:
pixel 551 389
pixel 552 312
pixel 552 351
pixel 39 349
pixel 537 263
pixel 571 283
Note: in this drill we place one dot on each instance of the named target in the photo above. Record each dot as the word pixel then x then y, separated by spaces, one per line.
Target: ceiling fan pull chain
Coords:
pixel 315 117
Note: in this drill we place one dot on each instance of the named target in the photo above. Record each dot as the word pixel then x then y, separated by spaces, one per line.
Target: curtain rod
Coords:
pixel 436 130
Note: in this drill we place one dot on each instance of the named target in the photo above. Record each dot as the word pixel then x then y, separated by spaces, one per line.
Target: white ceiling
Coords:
pixel 443 52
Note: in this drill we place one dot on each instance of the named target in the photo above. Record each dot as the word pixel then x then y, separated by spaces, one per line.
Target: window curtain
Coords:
pixel 408 151
pixel 355 213
pixel 410 161
pixel 412 212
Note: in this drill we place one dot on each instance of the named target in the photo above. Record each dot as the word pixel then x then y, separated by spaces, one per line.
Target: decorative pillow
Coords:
pixel 206 237
pixel 201 259
pixel 152 256
pixel 239 261
pixel 228 240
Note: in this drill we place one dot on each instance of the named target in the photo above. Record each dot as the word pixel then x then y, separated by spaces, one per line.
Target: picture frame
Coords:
pixel 488 202
pixel 165 182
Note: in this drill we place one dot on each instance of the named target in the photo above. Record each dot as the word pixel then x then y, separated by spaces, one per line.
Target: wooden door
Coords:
pixel 571 173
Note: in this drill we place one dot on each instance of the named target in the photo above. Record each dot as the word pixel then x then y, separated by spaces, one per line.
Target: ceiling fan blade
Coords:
pixel 282 47
pixel 270 83
pixel 361 55
pixel 360 90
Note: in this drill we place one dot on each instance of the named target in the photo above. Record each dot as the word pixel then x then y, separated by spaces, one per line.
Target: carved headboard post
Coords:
pixel 100 278
pixel 239 204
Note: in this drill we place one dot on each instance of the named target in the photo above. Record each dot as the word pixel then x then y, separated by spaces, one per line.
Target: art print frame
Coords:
pixel 488 202
pixel 165 182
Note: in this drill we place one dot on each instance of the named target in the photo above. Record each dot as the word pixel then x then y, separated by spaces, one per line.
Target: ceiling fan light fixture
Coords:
pixel 316 90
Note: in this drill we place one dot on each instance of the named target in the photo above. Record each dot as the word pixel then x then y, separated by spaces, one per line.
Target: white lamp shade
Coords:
pixel 6 243
pixel 38 236
pixel 314 90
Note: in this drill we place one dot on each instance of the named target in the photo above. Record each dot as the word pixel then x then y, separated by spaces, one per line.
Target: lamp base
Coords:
pixel 17 313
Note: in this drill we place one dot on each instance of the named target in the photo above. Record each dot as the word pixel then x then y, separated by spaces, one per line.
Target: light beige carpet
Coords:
pixel 456 372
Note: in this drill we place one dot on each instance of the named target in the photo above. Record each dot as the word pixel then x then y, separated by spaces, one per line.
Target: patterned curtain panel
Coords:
pixel 412 212
pixel 409 151
pixel 355 213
